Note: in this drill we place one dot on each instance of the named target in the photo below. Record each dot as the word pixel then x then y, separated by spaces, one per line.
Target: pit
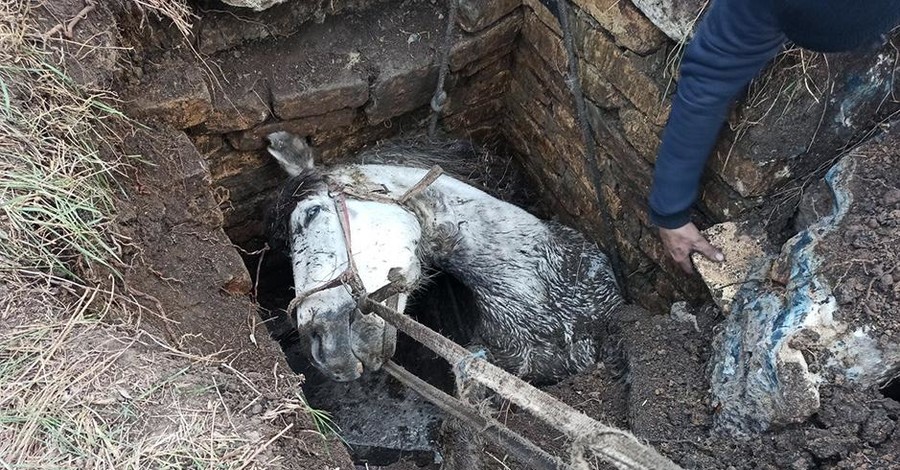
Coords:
pixel 353 73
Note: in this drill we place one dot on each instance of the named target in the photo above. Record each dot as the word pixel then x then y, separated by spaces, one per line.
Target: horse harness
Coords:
pixel 350 276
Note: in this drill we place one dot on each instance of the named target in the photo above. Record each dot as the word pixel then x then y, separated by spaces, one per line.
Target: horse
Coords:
pixel 545 294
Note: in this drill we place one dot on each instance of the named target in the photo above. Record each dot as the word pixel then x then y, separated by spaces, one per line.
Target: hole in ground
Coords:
pixel 381 420
pixel 891 389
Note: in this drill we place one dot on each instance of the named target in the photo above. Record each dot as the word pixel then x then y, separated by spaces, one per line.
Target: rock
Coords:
pixel 744 259
pixel 231 163
pixel 546 42
pixel 469 48
pixel 173 92
pixel 399 91
pixel 490 85
pixel 543 15
pixel 892 197
pixel 628 26
pixel 642 134
pixel 675 18
pixel 598 89
pixel 475 15
pixel 320 93
pixel 820 323
pixel 237 105
pixel 223 28
pixel 254 139
pixel 624 71
pixel 255 5
pixel 680 313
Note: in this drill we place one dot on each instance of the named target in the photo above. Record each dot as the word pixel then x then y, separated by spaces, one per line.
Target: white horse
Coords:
pixel 544 292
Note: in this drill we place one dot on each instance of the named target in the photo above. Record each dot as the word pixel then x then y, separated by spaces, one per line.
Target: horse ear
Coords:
pixel 292 152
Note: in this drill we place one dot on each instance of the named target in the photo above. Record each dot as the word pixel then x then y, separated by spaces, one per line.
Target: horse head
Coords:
pixel 329 237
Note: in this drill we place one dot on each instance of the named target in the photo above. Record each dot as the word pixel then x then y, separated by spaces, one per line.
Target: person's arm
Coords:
pixel 733 42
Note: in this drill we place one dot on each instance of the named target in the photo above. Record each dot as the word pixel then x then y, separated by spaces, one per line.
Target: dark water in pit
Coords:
pixel 380 420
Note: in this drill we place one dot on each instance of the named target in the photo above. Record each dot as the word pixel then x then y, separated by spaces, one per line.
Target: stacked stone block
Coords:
pixel 787 127
pixel 358 75
pixel 345 83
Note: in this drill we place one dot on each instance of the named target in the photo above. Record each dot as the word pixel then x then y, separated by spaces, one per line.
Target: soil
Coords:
pixel 195 288
pixel 658 389
pixel 867 280
pixel 153 401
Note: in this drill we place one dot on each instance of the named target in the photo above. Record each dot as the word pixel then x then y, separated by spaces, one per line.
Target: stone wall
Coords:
pixel 345 82
pixel 796 118
pixel 365 70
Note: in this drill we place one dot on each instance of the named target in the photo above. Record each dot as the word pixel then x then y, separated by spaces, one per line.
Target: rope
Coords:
pixel 520 447
pixel 616 446
pixel 459 369
pixel 440 96
pixel 584 126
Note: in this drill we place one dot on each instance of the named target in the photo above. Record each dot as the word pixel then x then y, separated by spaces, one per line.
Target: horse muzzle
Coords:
pixel 343 341
pixel 372 340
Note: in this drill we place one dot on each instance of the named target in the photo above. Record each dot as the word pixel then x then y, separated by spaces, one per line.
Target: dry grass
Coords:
pixel 75 390
pixel 176 11
pixel 55 188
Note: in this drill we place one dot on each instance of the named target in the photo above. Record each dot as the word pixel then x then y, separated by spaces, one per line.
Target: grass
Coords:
pixel 77 391
pixel 56 190
pixel 321 419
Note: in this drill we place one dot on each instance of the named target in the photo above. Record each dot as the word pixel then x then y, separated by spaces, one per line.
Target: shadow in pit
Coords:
pixel 380 420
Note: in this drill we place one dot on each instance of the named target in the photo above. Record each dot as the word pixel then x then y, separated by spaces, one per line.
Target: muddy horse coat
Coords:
pixel 544 292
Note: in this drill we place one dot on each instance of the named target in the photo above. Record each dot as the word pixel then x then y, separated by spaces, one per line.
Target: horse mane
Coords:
pixel 460 159
pixel 278 217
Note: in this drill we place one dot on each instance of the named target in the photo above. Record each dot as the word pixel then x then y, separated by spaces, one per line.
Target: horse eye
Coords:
pixel 311 213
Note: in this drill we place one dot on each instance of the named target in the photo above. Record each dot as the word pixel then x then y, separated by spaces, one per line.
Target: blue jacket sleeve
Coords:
pixel 734 41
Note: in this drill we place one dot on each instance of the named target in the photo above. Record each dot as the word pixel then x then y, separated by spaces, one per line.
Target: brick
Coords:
pixel 630 28
pixel 502 58
pixel 674 17
pixel 209 144
pixel 479 89
pixel 254 139
pixel 238 104
pixel 399 91
pixel 555 123
pixel 543 15
pixel 542 39
pixel 475 15
pixel 611 137
pixel 642 134
pixel 623 72
pixel 534 73
pixel 597 89
pixel 319 93
pixel 478 122
pixel 176 95
pixel 469 48
pixel 339 145
pixel 231 163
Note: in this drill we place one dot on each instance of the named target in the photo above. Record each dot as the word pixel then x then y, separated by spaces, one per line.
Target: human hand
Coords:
pixel 682 241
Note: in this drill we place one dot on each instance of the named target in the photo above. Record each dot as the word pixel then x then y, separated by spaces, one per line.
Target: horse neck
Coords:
pixel 487 243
